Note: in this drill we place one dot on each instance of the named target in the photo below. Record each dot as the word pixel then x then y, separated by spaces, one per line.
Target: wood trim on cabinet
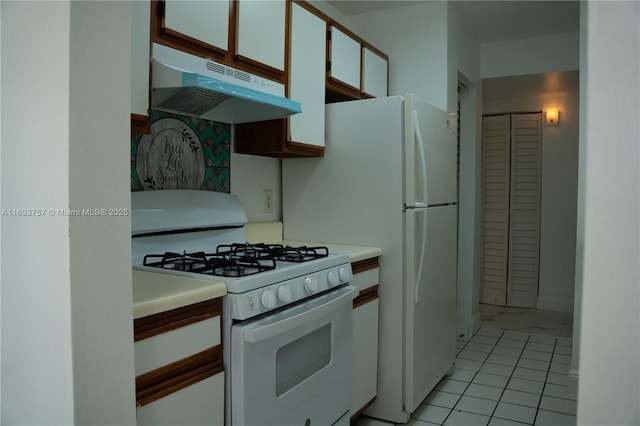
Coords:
pixel 181 39
pixel 168 37
pixel 140 124
pixel 254 65
pixel 178 375
pixel 162 322
pixel 384 57
pixel 367 295
pixel 338 91
pixel 365 265
pixel 270 138
pixel 361 411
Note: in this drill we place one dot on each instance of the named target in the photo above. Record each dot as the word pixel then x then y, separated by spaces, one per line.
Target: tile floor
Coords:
pixel 502 378
pixel 527 320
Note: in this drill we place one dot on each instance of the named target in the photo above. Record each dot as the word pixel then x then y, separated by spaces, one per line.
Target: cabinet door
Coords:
pixel 199 404
pixel 307 76
pixel 261 32
pixel 140 26
pixel 345 59
pixel 374 74
pixel 365 355
pixel 204 23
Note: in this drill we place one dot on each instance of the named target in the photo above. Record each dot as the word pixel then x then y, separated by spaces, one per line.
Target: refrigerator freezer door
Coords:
pixel 430 299
pixel 431 148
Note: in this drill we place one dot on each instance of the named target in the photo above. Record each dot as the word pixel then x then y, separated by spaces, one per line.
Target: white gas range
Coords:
pixel 286 317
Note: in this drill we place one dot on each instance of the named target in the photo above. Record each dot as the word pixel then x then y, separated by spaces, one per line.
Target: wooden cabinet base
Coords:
pixel 199 404
pixel 178 375
pixel 140 124
pixel 270 139
pixel 356 416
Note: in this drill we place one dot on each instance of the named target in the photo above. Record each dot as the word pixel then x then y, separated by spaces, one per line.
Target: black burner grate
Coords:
pixel 235 260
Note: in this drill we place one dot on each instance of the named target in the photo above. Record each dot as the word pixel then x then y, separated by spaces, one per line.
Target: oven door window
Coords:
pixel 294 367
pixel 302 358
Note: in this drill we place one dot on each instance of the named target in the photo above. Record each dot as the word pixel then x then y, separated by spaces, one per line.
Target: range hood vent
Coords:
pixel 190 85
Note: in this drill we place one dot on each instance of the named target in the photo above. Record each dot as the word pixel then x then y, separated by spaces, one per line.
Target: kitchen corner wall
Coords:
pixel 252 175
pixel 190 153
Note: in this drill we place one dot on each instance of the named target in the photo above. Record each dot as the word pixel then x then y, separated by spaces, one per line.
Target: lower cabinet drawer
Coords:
pixel 199 404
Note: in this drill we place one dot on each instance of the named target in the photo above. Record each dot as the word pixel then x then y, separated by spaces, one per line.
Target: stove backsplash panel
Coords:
pixel 181 153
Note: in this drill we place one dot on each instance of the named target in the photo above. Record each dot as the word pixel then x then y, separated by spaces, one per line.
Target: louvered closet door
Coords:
pixel 524 217
pixel 511 209
pixel 495 226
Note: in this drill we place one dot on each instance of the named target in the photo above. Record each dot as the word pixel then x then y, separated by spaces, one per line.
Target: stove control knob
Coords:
pixel 284 293
pixel 268 299
pixel 334 278
pixel 311 284
pixel 345 274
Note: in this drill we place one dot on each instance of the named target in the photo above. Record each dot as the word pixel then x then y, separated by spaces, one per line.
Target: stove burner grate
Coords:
pixel 302 254
pixel 181 262
pixel 235 260
pixel 257 251
pixel 237 267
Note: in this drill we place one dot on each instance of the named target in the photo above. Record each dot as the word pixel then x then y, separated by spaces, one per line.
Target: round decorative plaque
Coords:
pixel 171 157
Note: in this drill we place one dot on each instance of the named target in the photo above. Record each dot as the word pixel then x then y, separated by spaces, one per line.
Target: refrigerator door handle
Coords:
pixel 423 159
pixel 423 163
pixel 423 248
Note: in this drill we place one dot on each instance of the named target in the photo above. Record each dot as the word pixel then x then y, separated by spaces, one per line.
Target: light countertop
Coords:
pixel 355 253
pixel 158 292
pixel 155 292
pixel 271 232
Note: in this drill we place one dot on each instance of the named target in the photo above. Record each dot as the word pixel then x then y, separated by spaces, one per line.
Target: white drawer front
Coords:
pixel 366 279
pixel 174 345
pixel 199 404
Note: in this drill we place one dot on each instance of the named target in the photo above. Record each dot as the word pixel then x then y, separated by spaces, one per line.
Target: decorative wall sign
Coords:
pixel 170 157
pixel 181 153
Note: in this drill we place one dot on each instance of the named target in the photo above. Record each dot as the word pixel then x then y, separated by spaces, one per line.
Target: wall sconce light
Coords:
pixel 552 116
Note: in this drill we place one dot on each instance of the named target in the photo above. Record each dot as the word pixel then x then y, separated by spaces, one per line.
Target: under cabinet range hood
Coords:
pixel 190 85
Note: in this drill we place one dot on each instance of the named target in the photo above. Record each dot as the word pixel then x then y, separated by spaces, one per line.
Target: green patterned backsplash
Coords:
pixel 181 153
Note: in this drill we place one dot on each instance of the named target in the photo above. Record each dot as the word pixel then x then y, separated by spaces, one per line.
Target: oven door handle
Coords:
pixel 337 301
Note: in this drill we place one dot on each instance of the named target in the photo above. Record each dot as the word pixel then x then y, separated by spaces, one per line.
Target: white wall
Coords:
pixel 464 64
pixel 530 56
pixel 609 384
pixel 559 193
pixel 67 349
pixel 100 247
pixel 415 39
pixel 36 305
pixel 250 176
pixel 0 216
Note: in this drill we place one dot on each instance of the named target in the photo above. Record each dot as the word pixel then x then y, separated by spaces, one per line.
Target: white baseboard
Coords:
pixel 474 324
pixel 554 304
pixel 466 331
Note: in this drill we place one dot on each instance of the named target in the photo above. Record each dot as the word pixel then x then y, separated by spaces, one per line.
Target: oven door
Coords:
pixel 294 367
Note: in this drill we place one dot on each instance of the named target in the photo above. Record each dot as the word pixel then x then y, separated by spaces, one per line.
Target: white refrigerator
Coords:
pixel 388 179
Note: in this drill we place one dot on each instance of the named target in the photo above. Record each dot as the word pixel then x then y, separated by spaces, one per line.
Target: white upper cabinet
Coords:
pixel 374 74
pixel 261 31
pixel 345 58
pixel 205 22
pixel 140 12
pixel 307 75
